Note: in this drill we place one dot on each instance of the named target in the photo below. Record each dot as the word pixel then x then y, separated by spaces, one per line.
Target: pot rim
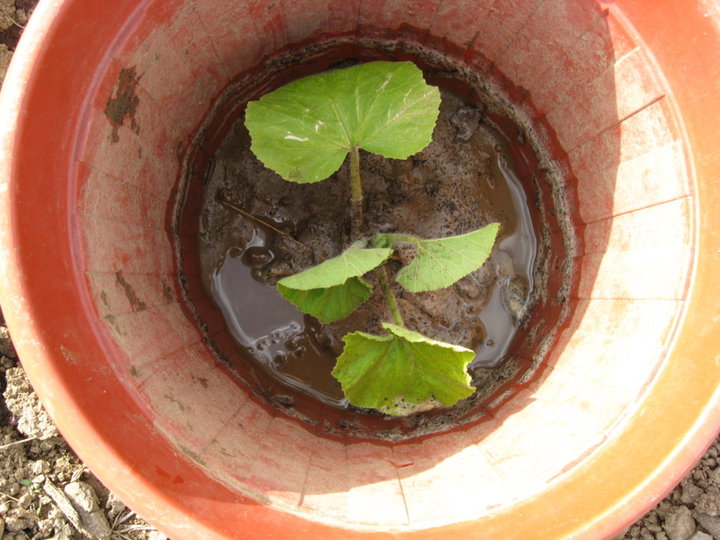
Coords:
pixel 679 435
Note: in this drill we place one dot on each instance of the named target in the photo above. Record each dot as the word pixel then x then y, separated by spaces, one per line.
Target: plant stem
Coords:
pixel 402 238
pixel 389 296
pixel 356 195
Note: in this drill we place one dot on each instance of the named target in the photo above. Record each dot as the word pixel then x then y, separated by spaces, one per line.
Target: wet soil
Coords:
pixel 256 228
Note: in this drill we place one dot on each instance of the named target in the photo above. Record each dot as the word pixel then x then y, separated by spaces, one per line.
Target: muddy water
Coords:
pixel 284 340
pixel 504 308
pixel 462 181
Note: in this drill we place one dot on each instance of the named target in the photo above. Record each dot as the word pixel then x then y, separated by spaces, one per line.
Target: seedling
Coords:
pixel 304 132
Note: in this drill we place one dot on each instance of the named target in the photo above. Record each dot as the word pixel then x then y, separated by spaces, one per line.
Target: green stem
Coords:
pixel 402 238
pixel 356 195
pixel 389 296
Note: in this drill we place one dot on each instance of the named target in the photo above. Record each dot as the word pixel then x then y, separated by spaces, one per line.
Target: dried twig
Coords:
pixel 254 218
pixel 136 527
pixel 122 518
pixel 9 497
pixel 64 504
pixel 262 222
pixel 16 443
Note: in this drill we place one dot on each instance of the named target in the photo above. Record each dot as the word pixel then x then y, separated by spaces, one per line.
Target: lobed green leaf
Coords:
pixel 354 261
pixel 440 262
pixel 332 303
pixel 334 288
pixel 304 130
pixel 404 367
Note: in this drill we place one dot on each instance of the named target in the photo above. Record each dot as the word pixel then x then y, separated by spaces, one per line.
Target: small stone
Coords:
pixel 63 532
pixel 690 492
pixel 15 524
pixel 652 523
pixel 56 514
pixel 679 523
pixel 709 502
pixel 406 252
pixel 45 528
pixel 468 287
pixel 25 500
pixel 32 420
pixel 4 507
pixel 21 16
pixel 85 501
pixel 710 523
pixel 114 506
pixel 40 467
pixel 156 535
pixel 6 345
pixel 700 477
pixel 39 479
pixel 664 508
pixel 645 534
pixel 714 477
pixel 699 535
pixel 466 121
pixel 46 446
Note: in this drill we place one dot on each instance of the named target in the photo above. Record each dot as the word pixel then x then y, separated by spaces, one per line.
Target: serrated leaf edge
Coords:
pixel 401 275
pixel 326 320
pixel 350 273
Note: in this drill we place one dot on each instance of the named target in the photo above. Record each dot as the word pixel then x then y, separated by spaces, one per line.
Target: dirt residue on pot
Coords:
pixel 462 181
pixel 123 103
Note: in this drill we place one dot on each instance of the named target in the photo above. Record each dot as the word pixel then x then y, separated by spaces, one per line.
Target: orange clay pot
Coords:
pixel 626 94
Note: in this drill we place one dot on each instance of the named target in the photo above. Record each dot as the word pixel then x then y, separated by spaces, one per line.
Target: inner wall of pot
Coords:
pixel 583 91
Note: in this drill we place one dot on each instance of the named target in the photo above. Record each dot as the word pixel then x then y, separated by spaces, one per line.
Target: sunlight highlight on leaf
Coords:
pixel 305 129
pixel 440 262
pixel 333 289
pixel 332 303
pixel 389 372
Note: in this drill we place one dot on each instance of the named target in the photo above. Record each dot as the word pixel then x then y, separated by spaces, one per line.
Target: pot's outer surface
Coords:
pixel 168 461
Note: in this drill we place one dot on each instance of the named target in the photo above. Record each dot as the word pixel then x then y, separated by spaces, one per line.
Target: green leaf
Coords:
pixel 331 303
pixel 354 261
pixel 440 262
pixel 333 289
pixel 404 367
pixel 304 130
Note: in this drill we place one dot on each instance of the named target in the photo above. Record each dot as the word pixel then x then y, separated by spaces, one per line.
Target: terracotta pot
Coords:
pixel 100 101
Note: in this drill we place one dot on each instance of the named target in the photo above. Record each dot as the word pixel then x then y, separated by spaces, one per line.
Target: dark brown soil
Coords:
pixel 462 181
